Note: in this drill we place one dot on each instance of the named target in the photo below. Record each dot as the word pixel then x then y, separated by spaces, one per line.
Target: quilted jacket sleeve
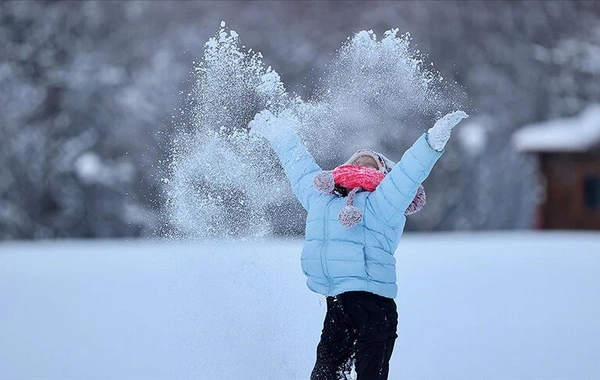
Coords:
pixel 397 190
pixel 299 165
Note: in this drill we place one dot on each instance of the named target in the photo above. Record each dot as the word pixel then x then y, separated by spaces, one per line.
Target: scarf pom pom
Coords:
pixel 418 202
pixel 324 182
pixel 349 216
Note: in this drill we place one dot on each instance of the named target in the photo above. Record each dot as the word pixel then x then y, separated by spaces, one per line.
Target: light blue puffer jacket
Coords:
pixel 336 259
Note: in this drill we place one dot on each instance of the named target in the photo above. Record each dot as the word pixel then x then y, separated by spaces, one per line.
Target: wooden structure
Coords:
pixel 568 152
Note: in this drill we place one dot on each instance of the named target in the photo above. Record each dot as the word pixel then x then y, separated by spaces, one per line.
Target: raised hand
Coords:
pixel 263 122
pixel 439 134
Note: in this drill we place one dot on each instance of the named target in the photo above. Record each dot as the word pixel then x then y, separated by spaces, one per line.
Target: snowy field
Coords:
pixel 472 306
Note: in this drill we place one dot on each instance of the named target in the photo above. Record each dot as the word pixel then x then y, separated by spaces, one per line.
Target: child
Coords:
pixel 356 215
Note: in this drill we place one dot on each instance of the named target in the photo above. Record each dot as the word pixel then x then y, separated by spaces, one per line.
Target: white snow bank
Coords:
pixel 571 134
pixel 472 306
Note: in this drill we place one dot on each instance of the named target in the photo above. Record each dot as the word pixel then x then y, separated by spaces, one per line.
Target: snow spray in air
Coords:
pixel 223 180
pixel 371 94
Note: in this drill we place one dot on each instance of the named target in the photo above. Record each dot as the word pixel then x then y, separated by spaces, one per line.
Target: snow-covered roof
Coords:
pixel 570 134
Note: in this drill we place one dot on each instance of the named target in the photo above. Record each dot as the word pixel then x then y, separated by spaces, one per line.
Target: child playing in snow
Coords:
pixel 356 215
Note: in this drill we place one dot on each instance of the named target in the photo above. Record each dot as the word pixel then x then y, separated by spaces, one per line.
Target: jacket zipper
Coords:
pixel 323 248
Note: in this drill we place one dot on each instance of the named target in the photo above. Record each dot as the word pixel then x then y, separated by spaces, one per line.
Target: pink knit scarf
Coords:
pixel 353 176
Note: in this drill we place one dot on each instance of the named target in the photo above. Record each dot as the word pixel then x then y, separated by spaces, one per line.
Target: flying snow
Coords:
pixel 372 91
pixel 223 180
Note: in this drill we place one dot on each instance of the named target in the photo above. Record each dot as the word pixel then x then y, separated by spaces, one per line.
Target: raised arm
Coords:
pixel 397 190
pixel 299 165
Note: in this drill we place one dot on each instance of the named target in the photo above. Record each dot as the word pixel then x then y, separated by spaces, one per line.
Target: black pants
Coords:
pixel 359 328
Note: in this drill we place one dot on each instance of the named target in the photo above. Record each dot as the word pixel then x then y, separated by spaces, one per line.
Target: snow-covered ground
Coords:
pixel 472 306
